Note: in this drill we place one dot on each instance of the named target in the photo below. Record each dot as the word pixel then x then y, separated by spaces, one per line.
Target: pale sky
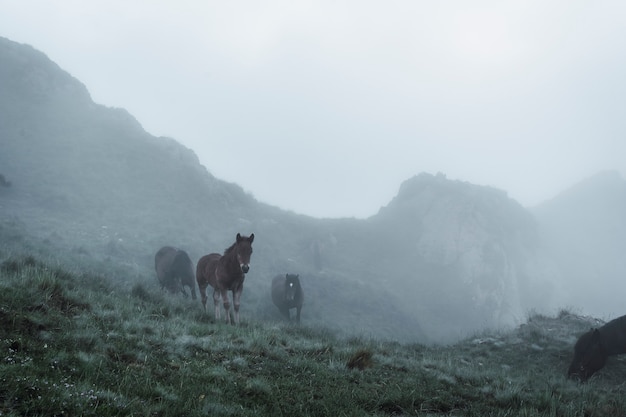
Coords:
pixel 326 107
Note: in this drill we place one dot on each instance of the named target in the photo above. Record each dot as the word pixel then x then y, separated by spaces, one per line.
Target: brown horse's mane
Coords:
pixel 229 249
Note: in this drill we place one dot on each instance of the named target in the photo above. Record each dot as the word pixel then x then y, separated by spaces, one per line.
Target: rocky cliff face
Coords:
pixel 473 252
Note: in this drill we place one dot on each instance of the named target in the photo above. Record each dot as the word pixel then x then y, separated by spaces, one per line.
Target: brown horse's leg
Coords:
pixel 216 301
pixel 202 287
pixel 226 304
pixel 237 302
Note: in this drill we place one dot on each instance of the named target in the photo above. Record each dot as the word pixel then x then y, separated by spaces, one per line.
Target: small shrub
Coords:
pixel 361 360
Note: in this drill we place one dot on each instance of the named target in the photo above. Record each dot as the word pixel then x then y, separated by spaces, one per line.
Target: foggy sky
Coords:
pixel 325 107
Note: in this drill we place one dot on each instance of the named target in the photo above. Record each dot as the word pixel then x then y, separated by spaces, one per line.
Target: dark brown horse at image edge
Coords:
pixel 287 294
pixel 593 348
pixel 225 273
pixel 174 270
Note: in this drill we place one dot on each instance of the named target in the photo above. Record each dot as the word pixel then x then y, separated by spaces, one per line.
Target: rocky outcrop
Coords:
pixel 474 251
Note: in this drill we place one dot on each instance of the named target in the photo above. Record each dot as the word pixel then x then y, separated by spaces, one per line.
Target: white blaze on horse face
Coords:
pixel 291 292
pixel 245 267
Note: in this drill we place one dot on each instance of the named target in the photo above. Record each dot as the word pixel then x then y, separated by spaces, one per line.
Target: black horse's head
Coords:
pixel 589 356
pixel 292 285
pixel 244 251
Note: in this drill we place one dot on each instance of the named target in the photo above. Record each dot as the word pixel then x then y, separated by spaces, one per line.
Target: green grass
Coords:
pixel 73 343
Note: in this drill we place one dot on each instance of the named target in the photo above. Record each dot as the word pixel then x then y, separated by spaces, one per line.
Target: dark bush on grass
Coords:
pixel 361 360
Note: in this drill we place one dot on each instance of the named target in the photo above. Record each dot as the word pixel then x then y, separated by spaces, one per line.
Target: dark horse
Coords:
pixel 174 270
pixel 287 294
pixel 593 347
pixel 225 272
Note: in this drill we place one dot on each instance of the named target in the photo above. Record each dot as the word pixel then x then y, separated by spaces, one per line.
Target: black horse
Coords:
pixel 593 347
pixel 174 270
pixel 287 294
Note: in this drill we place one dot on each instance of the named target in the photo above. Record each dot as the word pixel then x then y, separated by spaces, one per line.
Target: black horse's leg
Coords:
pixel 182 289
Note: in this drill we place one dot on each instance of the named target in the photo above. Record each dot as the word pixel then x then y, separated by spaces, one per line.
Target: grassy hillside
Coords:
pixel 73 343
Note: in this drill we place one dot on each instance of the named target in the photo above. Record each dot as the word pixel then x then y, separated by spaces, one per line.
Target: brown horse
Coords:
pixel 593 348
pixel 225 272
pixel 174 270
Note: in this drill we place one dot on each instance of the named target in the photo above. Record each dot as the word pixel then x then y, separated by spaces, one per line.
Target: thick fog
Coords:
pixel 455 120
pixel 324 108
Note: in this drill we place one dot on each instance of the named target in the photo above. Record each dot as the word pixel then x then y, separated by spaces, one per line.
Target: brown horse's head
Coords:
pixel 244 251
pixel 589 356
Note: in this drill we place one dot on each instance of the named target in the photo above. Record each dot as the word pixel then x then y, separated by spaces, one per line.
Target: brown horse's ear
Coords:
pixel 251 238
pixel 238 237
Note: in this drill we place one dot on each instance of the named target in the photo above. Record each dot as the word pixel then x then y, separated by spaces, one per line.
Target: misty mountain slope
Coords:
pixel 96 166
pixel 88 169
pixel 585 231
pixel 88 179
pixel 465 256
pixel 90 186
pixel 442 260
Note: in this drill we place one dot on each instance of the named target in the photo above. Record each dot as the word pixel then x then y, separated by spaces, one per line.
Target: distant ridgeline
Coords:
pixel 442 260
pixel 583 231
